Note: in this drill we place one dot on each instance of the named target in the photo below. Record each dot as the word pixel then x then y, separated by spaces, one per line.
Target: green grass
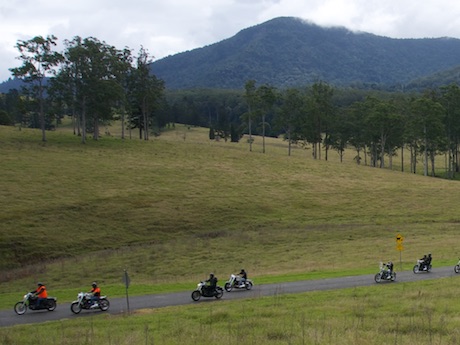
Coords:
pixel 179 206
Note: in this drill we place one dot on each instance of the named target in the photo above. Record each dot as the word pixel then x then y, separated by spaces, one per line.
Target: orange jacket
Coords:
pixel 96 291
pixel 41 292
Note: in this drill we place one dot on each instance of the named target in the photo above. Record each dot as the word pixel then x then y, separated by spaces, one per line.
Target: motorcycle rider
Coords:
pixel 428 260
pixel 389 266
pixel 243 277
pixel 41 294
pixel 96 294
pixel 423 262
pixel 212 284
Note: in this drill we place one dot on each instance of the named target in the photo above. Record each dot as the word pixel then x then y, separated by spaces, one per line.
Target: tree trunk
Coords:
pixel 432 164
pixel 42 113
pixel 83 122
pixel 289 142
pixel 263 134
pixel 402 158
pixel 144 115
pixel 250 132
pixel 96 128
pixel 123 124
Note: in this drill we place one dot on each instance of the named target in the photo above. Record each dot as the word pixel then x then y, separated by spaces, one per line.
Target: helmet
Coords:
pixel 211 275
pixel 94 284
pixel 40 284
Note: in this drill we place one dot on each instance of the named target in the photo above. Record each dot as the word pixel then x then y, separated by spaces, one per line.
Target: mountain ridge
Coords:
pixel 287 51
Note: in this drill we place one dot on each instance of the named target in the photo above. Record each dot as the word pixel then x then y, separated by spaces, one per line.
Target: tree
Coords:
pixel 251 100
pixel 428 124
pixel 340 135
pixel 322 110
pixel 355 115
pixel 144 91
pixel 450 99
pixel 289 116
pixel 266 98
pixel 38 61
pixel 95 69
pixel 5 119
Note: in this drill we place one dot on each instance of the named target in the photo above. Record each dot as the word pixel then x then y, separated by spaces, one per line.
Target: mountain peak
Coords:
pixel 289 51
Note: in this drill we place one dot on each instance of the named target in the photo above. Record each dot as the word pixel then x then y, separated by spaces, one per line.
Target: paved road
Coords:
pixel 118 305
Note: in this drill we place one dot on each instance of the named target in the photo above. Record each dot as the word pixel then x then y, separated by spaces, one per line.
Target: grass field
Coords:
pixel 179 206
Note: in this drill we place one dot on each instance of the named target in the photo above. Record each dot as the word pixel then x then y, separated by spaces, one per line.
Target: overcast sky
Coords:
pixel 167 27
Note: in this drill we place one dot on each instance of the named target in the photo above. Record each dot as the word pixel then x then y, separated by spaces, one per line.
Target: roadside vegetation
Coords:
pixel 174 208
pixel 425 312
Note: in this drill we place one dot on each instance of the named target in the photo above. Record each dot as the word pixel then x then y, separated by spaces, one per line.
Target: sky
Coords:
pixel 168 27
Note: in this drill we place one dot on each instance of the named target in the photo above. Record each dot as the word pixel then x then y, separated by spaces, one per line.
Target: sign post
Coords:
pixel 400 247
pixel 126 281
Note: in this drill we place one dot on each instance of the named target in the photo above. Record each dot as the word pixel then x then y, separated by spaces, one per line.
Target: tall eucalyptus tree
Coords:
pixel 355 115
pixel 38 61
pixel 251 100
pixel 451 101
pixel 144 89
pixel 95 70
pixel 427 122
pixel 266 98
pixel 321 110
pixel 289 115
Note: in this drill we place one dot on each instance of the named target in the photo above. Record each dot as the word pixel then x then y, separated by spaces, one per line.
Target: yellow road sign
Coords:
pixel 399 238
pixel 399 247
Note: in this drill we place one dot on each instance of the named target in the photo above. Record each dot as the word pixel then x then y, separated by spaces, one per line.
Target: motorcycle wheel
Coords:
pixel 457 268
pixel 228 287
pixel 51 305
pixel 196 295
pixel 393 277
pixel 416 269
pixel 378 278
pixel 248 285
pixel 219 293
pixel 75 307
pixel 20 308
pixel 104 304
pixel 429 268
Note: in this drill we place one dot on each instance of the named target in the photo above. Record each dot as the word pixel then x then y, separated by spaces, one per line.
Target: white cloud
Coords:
pixel 166 27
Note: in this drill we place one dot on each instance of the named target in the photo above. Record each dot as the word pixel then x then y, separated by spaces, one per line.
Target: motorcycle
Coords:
pixel 203 291
pixel 384 275
pixel 235 283
pixel 30 301
pixel 420 266
pixel 457 267
pixel 84 302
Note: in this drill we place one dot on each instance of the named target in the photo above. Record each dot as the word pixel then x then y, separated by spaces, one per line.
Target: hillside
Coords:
pixel 174 208
pixel 287 51
pixel 168 201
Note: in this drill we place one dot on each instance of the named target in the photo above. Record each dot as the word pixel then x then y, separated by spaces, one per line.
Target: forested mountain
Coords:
pixel 10 84
pixel 287 51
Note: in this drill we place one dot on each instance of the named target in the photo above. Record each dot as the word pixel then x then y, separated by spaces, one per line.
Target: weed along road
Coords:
pixel 118 305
